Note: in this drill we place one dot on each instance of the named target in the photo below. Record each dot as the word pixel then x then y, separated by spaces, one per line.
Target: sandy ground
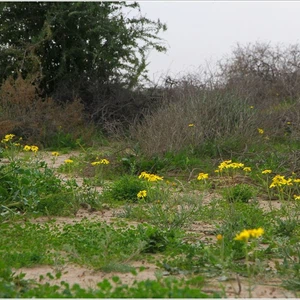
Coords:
pixel 233 287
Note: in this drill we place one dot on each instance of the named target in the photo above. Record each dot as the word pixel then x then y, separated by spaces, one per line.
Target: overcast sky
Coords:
pixel 207 31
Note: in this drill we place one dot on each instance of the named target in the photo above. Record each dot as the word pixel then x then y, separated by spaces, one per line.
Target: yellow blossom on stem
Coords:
pixel 219 237
pixel 150 177
pixel 69 161
pixel 55 153
pixel 27 148
pixel 202 176
pixel 7 138
pixel 247 169
pixel 34 148
pixel 142 194
pixel 100 162
pixel 248 233
pixel 228 164
pixel 260 131
pixel 266 172
pixel 104 161
pixel 280 180
pixel 297 197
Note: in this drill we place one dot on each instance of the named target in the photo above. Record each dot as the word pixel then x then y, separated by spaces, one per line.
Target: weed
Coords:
pixel 125 189
pixel 239 193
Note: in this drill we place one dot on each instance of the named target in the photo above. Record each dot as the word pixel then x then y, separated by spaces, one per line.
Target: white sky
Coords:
pixel 207 31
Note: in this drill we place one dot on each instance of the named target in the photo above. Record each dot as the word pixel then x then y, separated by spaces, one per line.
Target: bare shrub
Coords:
pixel 257 87
pixel 26 114
pixel 195 117
pixel 264 73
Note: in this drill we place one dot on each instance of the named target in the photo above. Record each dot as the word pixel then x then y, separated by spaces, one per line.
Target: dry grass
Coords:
pixel 26 114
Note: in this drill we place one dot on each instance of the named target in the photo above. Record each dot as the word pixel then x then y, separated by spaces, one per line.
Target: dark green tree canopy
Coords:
pixel 71 41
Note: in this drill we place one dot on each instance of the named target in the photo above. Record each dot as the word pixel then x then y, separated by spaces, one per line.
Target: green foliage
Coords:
pixel 88 243
pixel 125 189
pixel 239 193
pixel 156 239
pixel 166 212
pixel 31 186
pixel 74 42
pixel 241 216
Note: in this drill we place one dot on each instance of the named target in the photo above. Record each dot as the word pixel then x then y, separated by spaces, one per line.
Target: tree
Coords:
pixel 76 42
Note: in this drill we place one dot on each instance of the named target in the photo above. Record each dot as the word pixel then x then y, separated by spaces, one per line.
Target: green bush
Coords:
pixel 239 193
pixel 125 189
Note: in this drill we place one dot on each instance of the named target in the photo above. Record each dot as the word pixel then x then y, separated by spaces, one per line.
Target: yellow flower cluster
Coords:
pixel 248 233
pixel 202 176
pixel 7 138
pixel 100 162
pixel 142 194
pixel 31 148
pixel 228 164
pixel 280 180
pixel 150 177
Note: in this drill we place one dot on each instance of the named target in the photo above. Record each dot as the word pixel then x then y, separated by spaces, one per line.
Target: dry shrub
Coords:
pixel 37 120
pixel 215 115
pixel 219 105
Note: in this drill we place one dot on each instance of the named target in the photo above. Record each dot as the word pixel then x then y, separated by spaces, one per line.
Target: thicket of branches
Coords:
pixel 256 87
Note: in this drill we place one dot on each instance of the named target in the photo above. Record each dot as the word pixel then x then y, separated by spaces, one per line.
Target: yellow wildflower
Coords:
pixel 142 194
pixel 55 153
pixel 297 197
pixel 27 148
pixel 104 161
pixel 100 162
pixel 202 176
pixel 69 161
pixel 243 236
pixel 34 148
pixel 266 172
pixel 7 138
pixel 191 125
pixel 247 233
pixel 228 164
pixel 247 169
pixel 296 180
pixel 219 237
pixel 256 233
pixel 150 177
pixel 280 180
pixel 260 131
